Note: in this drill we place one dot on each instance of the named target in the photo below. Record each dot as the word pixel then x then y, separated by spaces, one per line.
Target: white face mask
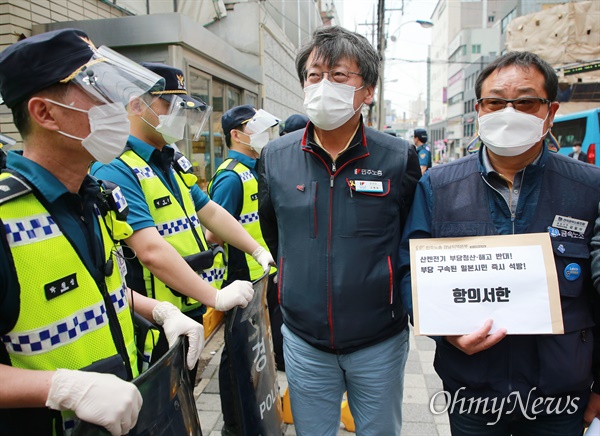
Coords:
pixel 109 130
pixel 510 133
pixel 172 128
pixel 257 141
pixel 329 105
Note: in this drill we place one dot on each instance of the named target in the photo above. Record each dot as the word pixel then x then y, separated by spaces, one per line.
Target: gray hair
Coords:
pixel 331 44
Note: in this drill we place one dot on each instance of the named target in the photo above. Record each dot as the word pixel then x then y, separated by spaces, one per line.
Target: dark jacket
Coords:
pixel 336 244
pixel 556 365
pixel 581 156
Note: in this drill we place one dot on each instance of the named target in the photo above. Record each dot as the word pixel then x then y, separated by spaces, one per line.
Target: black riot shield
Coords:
pixel 169 408
pixel 252 365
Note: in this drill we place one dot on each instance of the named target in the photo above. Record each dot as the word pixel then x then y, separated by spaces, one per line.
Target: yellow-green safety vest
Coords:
pixel 177 224
pixel 64 314
pixel 249 214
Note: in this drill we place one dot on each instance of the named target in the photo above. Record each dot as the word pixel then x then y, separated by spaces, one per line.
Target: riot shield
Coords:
pixel 169 408
pixel 252 365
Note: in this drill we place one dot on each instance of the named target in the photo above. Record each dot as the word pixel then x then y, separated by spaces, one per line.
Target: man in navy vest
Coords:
pixel 333 198
pixel 515 185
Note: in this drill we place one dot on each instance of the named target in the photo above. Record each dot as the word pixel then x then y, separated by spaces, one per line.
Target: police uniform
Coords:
pixel 163 193
pixel 67 312
pixel 63 300
pixel 424 155
pixel 234 186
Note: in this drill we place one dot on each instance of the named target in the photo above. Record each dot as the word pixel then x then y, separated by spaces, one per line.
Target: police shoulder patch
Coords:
pixel 12 187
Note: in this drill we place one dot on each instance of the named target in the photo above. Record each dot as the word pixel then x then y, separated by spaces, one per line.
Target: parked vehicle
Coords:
pixel 581 127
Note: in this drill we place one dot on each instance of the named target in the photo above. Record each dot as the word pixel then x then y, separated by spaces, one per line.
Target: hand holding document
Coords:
pixel 460 283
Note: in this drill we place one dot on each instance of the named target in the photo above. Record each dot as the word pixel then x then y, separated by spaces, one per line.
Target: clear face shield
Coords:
pixel 184 119
pixel 109 77
pixel 260 129
pixel 110 81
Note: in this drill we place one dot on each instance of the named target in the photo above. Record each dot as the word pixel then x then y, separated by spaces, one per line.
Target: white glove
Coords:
pixel 175 324
pixel 239 293
pixel 264 259
pixel 102 399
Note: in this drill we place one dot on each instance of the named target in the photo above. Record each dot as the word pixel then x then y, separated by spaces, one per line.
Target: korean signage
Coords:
pixel 459 283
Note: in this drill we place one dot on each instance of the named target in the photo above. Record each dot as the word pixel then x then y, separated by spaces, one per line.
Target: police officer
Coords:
pixel 167 206
pixel 292 123
pixel 235 187
pixel 420 141
pixel 64 307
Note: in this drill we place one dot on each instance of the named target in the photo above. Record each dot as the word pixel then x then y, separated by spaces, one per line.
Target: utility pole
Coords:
pixel 372 32
pixel 381 51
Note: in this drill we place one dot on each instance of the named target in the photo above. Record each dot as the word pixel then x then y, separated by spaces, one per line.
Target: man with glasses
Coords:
pixel 332 202
pixel 514 185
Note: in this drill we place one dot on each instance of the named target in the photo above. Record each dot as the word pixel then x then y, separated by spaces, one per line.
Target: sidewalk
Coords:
pixel 420 383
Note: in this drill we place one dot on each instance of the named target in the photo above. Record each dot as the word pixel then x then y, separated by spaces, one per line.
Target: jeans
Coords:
pixel 471 424
pixel 373 378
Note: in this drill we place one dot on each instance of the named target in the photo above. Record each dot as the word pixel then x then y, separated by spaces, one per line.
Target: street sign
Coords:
pixel 582 69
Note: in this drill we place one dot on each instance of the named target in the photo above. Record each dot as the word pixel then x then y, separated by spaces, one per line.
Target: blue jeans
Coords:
pixel 373 378
pixel 466 424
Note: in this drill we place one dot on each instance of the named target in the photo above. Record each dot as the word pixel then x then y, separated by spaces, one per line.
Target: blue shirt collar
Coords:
pixel 244 160
pixel 486 167
pixel 42 179
pixel 141 148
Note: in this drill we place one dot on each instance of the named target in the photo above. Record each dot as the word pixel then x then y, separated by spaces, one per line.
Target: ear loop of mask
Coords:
pixel 151 110
pixel 66 106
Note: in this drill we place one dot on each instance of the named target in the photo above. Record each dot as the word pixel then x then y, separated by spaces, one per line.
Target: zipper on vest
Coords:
pixel 512 214
pixel 115 329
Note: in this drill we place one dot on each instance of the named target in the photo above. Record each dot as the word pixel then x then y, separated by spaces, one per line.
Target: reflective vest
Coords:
pixel 177 223
pixel 66 316
pixel 248 217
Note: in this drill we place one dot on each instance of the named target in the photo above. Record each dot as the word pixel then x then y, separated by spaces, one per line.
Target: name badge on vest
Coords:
pixel 254 197
pixel 121 262
pixel 568 223
pixel 162 202
pixel 184 163
pixel 61 286
pixel 368 186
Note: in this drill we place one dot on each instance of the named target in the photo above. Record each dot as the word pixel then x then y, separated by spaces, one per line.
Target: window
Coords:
pixel 567 132
pixel 490 18
pixel 455 98
pixel 460 51
pixel 199 154
pixel 476 48
pixel 507 19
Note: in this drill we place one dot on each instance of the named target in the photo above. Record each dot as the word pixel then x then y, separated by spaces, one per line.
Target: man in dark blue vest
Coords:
pixel 514 185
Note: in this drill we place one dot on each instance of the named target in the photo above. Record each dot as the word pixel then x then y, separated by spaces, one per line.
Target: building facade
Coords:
pixel 468 34
pixel 232 52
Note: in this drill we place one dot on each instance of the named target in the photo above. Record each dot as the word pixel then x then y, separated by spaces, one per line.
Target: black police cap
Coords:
pixel 237 116
pixel 174 85
pixel 37 62
pixel 421 134
pixel 293 123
